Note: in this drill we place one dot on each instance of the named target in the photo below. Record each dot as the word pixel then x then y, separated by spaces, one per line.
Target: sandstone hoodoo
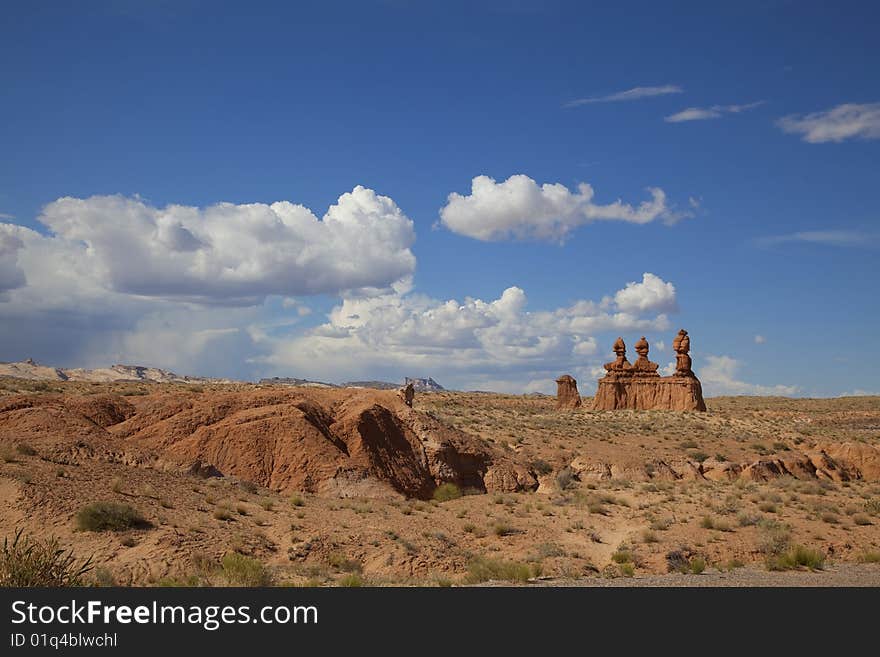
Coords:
pixel 567 395
pixel 639 386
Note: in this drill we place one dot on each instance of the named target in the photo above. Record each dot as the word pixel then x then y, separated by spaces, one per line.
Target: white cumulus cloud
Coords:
pixel 472 344
pixel 519 208
pixel 651 294
pixel 225 253
pixel 847 121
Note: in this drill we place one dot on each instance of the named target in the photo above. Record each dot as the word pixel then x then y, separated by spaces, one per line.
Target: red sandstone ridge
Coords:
pixel 346 442
pixel 638 386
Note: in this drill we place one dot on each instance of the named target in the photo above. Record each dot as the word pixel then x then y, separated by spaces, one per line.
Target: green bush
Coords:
pixel 29 562
pixel 446 492
pixel 112 516
pixel 541 467
pixel 697 565
pixel 343 563
pixel 797 557
pixel 240 570
pixel 483 569
pixel 352 580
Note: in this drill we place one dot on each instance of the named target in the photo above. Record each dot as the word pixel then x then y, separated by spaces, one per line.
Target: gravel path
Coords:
pixel 837 575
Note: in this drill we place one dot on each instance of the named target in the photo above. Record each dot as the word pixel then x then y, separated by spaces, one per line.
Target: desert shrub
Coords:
pixel 112 516
pixel 25 450
pixel 699 457
pixel 103 577
pixel 565 478
pixel 541 467
pixel 545 550
pixel 28 562
pixel 7 454
pixel 649 537
pixel 248 487
pixel 483 569
pixel 697 565
pixel 774 539
pixel 622 556
pixel 446 492
pixel 267 504
pixel 661 524
pixel 627 569
pixel 718 524
pixel 681 561
pixel 503 529
pixel 351 580
pixel 343 563
pixel 222 514
pixel 296 500
pixel 240 570
pixel 861 519
pixel 870 556
pixel 797 557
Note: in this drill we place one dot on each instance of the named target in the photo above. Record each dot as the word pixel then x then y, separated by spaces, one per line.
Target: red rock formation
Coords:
pixel 345 442
pixel 567 395
pixel 639 386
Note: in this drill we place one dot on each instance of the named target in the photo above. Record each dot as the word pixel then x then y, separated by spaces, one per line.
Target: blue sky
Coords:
pixel 758 121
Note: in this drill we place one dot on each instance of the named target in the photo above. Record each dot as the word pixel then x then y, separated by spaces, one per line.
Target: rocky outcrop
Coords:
pixel 833 462
pixel 567 395
pixel 639 386
pixel 340 442
pixel 671 393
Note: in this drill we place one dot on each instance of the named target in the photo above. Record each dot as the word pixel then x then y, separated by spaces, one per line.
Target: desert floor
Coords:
pixel 574 530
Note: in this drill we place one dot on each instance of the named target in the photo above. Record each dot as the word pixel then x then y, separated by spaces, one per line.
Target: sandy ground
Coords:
pixel 574 531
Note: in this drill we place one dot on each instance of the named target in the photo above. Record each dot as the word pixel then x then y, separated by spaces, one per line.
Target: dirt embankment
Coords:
pixel 344 442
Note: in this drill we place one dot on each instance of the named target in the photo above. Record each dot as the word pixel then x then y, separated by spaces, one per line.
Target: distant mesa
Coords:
pixel 292 381
pixel 30 369
pixel 639 386
pixel 424 385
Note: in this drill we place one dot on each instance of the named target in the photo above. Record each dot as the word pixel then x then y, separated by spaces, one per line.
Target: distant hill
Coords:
pixel 28 369
pixel 376 385
pixel 291 381
pixel 425 385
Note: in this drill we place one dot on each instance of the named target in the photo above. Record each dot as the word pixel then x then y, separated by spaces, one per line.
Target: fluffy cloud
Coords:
pixel 470 343
pixel 760 339
pixel 653 294
pixel 713 112
pixel 519 208
pixel 223 254
pixel 847 121
pixel 636 93
pixel 719 377
pixel 11 275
